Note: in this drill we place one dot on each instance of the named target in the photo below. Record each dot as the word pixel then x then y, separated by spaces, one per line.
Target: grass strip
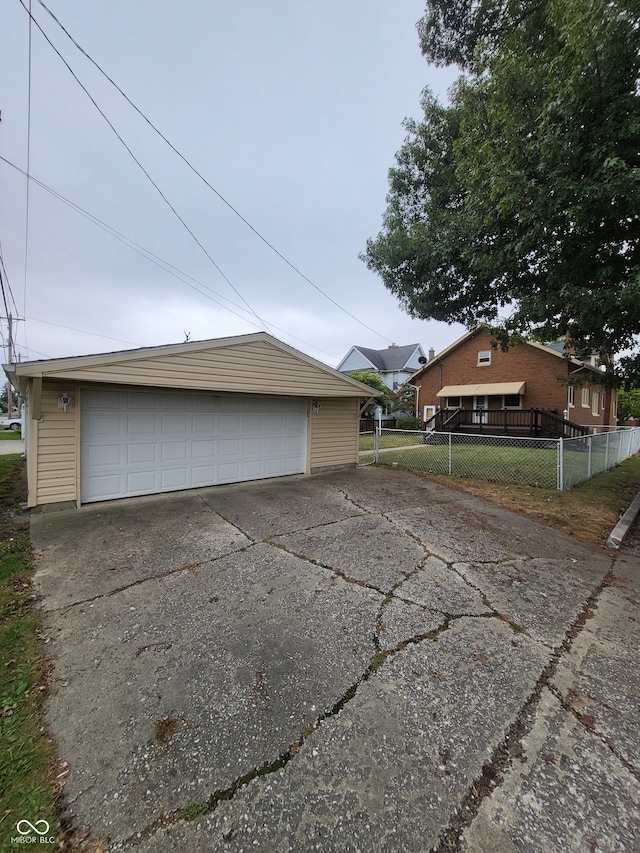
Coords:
pixel 27 788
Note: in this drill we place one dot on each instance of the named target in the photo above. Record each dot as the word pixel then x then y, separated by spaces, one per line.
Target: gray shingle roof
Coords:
pixel 392 358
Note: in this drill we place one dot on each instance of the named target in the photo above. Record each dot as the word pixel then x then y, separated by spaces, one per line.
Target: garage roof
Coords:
pixel 248 364
pixel 488 388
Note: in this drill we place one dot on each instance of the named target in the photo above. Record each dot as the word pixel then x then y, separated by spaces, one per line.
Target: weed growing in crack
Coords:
pixel 377 660
pixel 194 810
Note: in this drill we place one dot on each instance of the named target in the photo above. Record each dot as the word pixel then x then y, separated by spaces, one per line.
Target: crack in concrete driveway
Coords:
pixel 328 663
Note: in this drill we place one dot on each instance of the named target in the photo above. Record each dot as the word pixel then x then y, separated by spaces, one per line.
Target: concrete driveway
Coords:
pixel 356 661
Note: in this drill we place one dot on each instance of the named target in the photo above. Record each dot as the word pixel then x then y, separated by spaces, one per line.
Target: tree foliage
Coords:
pixel 517 204
pixel 628 404
pixel 451 30
pixel 376 382
pixel 404 399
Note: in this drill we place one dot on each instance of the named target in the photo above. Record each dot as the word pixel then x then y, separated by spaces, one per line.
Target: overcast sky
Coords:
pixel 292 110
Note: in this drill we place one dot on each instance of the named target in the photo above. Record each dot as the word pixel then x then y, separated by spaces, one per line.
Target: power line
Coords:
pixel 199 174
pixel 140 166
pixel 128 241
pixel 26 224
pixel 155 259
pixel 83 331
pixel 6 276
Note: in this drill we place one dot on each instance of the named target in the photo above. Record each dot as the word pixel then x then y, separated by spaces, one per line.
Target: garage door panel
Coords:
pixel 275 423
pixel 203 475
pixel 230 423
pixel 229 447
pixel 230 472
pixel 274 467
pixel 141 424
pixel 291 464
pixel 140 400
pixel 174 423
pixel 294 423
pixel 104 425
pixel 141 482
pixel 252 423
pixel 173 451
pixel 205 423
pixel 174 478
pixel 205 402
pixel 136 443
pixel 103 488
pixel 253 470
pixel 273 445
pixel 252 446
pixel 176 402
pixel 142 453
pixel 109 400
pixel 202 450
pixel 105 455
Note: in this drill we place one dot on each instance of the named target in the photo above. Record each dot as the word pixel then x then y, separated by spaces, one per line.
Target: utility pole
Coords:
pixel 11 359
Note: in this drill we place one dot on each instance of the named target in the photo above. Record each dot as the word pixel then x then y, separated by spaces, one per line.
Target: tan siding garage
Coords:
pixel 335 433
pixel 55 448
pixel 182 416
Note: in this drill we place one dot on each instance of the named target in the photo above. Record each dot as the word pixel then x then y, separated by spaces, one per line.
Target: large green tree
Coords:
pixel 517 204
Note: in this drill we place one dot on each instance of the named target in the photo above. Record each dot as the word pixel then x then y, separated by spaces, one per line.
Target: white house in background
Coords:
pixel 394 364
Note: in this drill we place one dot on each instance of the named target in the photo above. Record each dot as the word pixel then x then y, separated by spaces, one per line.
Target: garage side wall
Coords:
pixel 57 446
pixel 334 434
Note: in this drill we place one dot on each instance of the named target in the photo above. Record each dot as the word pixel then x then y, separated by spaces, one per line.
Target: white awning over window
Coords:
pixel 491 389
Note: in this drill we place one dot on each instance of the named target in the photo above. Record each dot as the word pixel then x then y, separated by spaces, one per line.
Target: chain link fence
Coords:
pixel 583 457
pixel 544 462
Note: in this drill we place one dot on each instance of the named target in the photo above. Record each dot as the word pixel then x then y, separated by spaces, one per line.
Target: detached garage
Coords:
pixel 182 416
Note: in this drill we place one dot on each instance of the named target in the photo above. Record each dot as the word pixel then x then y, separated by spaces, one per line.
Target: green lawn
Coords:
pixel 535 466
pixel 388 441
pixel 26 755
pixel 10 435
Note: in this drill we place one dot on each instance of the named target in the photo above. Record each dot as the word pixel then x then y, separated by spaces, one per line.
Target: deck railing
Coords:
pixel 536 422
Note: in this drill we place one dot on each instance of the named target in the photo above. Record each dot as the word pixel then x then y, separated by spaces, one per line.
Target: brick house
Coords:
pixel 481 381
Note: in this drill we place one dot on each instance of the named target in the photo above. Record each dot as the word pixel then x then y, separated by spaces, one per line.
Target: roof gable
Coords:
pixel 249 364
pixel 392 358
pixel 553 350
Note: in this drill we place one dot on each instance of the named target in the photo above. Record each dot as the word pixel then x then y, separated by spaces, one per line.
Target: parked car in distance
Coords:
pixel 11 423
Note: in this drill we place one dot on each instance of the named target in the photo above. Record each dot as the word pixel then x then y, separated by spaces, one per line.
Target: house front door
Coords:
pixel 480 406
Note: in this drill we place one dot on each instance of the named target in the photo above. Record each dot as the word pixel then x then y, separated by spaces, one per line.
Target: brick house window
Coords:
pixel 595 403
pixel 512 401
pixel 585 397
pixel 453 402
pixel 571 403
pixel 484 357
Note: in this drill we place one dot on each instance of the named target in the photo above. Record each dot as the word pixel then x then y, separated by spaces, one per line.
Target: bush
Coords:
pixel 407 423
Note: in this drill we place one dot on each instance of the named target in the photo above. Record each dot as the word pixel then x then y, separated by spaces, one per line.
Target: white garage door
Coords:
pixel 140 443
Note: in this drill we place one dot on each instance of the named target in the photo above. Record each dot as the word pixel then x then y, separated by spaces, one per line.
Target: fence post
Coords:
pixel 606 453
pixel 376 443
pixel 560 464
pixel 450 466
pixel 589 460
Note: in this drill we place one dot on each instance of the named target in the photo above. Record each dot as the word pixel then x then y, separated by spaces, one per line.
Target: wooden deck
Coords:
pixel 517 422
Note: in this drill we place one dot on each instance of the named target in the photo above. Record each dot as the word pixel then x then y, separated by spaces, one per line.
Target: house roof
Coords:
pixel 387 360
pixel 556 349
pixel 255 363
